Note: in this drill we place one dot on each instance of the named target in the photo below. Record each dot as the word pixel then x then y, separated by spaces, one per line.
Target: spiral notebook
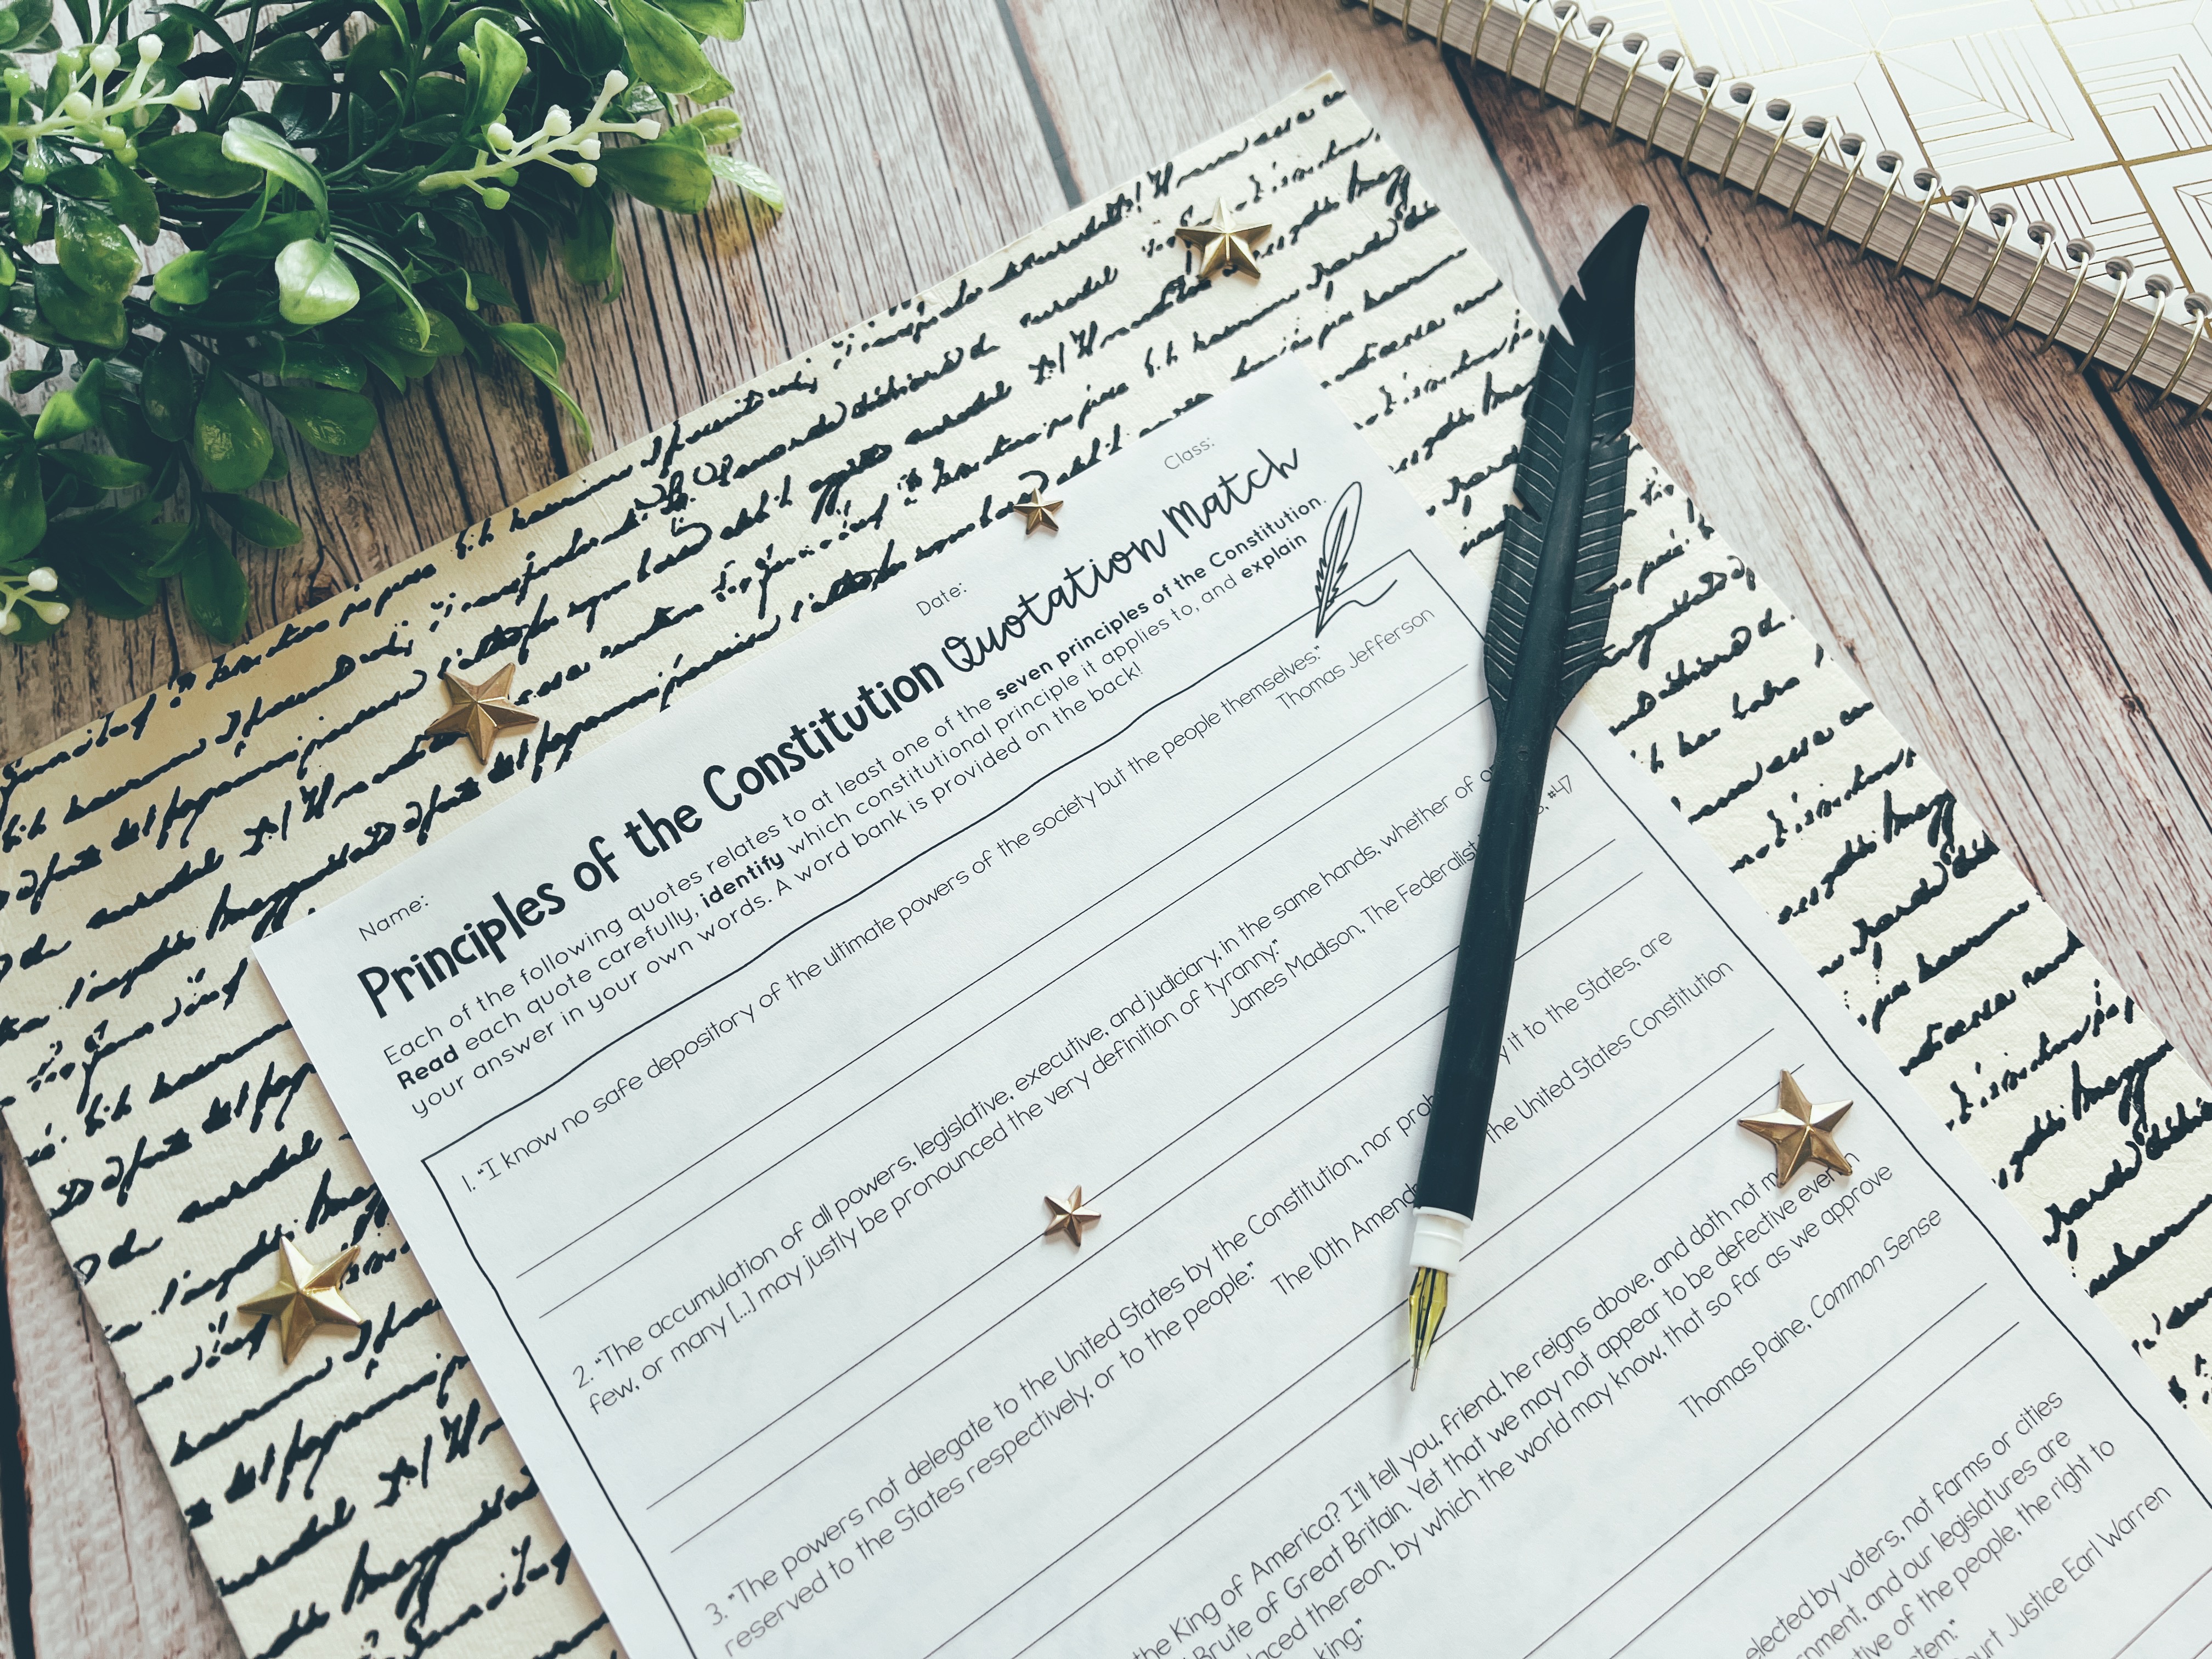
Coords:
pixel 2048 160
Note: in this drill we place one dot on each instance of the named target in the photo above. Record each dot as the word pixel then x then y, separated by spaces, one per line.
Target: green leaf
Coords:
pixel 379 265
pixel 22 505
pixel 718 125
pixel 582 36
pixel 296 359
pixel 77 315
pixel 194 162
pixel 101 472
pixel 109 557
pixel 229 445
pixel 92 249
pixel 109 181
pixel 183 280
pixel 32 19
pixel 589 252
pixel 214 586
pixel 336 423
pixel 379 51
pixel 724 20
pixel 667 172
pixel 129 435
pixel 292 61
pixel 661 50
pixel 168 391
pixel 544 353
pixel 746 177
pixel 313 284
pixel 246 142
pixel 74 409
pixel 493 66
pixel 255 522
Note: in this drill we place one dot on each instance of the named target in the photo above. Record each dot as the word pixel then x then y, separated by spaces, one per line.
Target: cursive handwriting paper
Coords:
pixel 720 1087
pixel 366 1500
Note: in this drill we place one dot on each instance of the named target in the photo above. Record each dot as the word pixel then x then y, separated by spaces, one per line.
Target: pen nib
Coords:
pixel 1424 1310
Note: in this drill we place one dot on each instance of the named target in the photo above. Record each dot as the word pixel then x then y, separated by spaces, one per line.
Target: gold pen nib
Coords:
pixel 1425 1310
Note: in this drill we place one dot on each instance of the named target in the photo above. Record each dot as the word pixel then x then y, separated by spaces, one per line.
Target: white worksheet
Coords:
pixel 719 1082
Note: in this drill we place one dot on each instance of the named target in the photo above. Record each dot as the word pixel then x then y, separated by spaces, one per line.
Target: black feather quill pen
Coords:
pixel 1546 636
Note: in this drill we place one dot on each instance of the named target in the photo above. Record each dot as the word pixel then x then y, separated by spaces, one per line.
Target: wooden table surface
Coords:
pixel 2010 555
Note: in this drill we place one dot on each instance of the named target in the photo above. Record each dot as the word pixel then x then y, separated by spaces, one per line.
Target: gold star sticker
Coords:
pixel 305 1297
pixel 481 712
pixel 1223 247
pixel 1799 1138
pixel 1069 1219
pixel 1037 510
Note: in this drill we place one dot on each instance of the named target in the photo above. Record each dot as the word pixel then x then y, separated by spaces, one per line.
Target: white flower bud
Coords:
pixel 584 174
pixel 502 136
pixel 105 57
pixel 76 107
pixel 42 581
pixel 495 198
pixel 589 149
pixel 186 97
pixel 113 136
pixel 9 623
pixel 50 611
pixel 614 85
pixel 149 47
pixel 127 154
pixel 556 122
pixel 648 131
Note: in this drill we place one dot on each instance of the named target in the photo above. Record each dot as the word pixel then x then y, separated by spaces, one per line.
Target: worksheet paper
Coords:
pixel 719 1081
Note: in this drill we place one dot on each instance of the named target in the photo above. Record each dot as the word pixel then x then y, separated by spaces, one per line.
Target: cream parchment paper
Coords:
pixel 366 1501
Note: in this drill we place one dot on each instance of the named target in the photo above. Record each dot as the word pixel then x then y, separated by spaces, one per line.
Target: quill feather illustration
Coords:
pixel 1546 636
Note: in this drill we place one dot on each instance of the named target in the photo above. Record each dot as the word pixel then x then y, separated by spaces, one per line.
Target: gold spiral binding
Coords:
pixel 2065 311
pixel 1513 54
pixel 2163 290
pixel 2119 270
pixel 1600 28
pixel 2002 215
pixel 1474 46
pixel 1566 11
pixel 1777 109
pixel 2199 308
pixel 1665 98
pixel 1892 164
pixel 1959 198
pixel 1747 94
pixel 1444 22
pixel 1710 79
pixel 2043 234
pixel 1819 126
pixel 1928 180
pixel 1638 43
pixel 1853 146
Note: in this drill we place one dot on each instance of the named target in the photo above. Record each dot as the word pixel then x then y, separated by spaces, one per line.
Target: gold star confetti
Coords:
pixel 1224 246
pixel 1800 1138
pixel 305 1297
pixel 1069 1219
pixel 1038 511
pixel 481 712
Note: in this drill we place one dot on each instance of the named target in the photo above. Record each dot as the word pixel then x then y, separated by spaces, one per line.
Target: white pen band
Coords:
pixel 1439 1237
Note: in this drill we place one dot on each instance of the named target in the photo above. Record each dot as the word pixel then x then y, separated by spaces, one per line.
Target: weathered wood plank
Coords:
pixel 1956 513
pixel 113 1573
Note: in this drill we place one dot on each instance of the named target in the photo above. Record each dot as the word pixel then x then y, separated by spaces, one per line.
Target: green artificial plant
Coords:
pixel 332 174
